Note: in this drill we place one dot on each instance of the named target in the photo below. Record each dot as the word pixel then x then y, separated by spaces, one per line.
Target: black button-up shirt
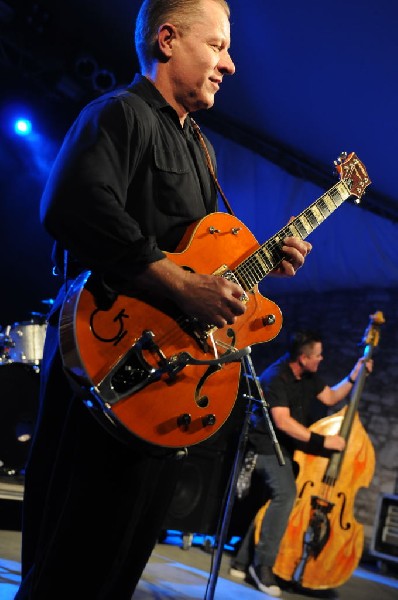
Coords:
pixel 127 182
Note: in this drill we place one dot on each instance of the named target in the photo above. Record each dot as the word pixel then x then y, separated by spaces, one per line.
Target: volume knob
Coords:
pixel 208 420
pixel 269 320
pixel 184 420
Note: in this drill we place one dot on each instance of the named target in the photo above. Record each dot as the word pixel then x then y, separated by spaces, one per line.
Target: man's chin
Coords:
pixel 202 103
pixel 206 103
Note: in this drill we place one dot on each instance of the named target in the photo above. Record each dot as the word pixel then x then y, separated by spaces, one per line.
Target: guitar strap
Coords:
pixel 202 142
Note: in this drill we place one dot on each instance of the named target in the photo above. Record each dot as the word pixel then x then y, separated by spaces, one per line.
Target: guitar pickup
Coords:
pixel 225 272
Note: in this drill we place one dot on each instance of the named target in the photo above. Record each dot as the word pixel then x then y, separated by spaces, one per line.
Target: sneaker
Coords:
pixel 265 580
pixel 237 573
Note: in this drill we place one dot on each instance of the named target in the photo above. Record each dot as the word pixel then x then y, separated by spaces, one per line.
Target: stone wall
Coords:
pixel 341 317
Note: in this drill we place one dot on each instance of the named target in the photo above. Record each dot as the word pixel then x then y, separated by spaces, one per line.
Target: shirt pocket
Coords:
pixel 170 162
pixel 178 192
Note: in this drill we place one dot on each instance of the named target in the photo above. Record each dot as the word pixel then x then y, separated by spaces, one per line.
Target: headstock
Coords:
pixel 353 172
pixel 372 333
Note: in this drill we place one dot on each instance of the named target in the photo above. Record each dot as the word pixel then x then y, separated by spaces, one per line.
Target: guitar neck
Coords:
pixel 268 256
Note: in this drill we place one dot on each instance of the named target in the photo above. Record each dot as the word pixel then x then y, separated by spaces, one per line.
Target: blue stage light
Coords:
pixel 23 127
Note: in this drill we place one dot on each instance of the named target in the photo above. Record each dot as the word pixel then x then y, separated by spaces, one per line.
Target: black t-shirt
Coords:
pixel 281 388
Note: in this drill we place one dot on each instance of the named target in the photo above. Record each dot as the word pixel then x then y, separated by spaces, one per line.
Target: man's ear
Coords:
pixel 166 36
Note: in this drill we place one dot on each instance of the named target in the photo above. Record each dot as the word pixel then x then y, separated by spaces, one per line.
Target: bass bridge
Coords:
pixel 316 535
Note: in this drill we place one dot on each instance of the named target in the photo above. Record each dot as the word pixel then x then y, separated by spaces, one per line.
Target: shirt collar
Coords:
pixel 149 92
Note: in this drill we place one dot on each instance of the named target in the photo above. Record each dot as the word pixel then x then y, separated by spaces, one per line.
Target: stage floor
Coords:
pixel 175 573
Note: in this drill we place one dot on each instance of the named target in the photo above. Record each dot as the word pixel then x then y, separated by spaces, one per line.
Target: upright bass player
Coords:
pixel 289 384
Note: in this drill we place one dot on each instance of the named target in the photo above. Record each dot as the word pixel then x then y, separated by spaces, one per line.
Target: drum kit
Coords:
pixel 21 354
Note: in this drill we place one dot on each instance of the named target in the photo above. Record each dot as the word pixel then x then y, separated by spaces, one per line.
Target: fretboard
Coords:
pixel 268 256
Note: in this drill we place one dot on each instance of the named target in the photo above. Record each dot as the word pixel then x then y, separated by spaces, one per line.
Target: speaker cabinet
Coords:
pixel 385 535
pixel 198 499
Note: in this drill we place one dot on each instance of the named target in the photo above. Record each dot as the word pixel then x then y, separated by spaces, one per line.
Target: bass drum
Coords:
pixel 19 400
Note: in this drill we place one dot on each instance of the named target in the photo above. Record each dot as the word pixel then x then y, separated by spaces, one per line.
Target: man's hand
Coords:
pixel 212 299
pixel 295 250
pixel 334 442
pixel 368 366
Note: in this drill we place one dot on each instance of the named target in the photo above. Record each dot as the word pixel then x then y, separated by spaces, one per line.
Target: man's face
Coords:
pixel 312 357
pixel 200 59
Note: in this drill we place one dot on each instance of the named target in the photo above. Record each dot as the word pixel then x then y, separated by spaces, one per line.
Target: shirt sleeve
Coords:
pixel 276 392
pixel 84 203
pixel 319 384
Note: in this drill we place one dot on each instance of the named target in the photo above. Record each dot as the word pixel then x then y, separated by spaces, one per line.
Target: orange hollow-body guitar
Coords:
pixel 147 369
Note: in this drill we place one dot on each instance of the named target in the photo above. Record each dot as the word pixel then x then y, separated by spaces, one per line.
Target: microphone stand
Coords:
pixel 221 534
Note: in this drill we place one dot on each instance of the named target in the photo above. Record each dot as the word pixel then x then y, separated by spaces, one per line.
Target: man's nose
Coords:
pixel 226 64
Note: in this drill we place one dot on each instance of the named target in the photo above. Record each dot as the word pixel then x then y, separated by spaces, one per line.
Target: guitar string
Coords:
pixel 250 265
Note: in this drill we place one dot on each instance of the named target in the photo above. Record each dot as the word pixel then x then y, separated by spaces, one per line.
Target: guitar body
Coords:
pixel 116 368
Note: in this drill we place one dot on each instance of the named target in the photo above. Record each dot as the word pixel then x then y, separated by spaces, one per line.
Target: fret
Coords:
pixel 311 218
pixel 329 203
pixel 253 275
pixel 278 237
pixel 305 223
pixel 293 229
pixel 247 273
pixel 266 257
pixel 262 263
pixel 241 277
pixel 336 196
pixel 323 206
pixel 277 253
pixel 344 189
pixel 300 228
pixel 241 272
pixel 242 280
pixel 257 267
pixel 317 213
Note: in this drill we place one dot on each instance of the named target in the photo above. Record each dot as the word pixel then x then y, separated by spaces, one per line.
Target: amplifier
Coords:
pixel 384 542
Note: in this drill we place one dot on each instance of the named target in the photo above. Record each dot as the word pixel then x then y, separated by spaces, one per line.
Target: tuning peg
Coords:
pixel 341 158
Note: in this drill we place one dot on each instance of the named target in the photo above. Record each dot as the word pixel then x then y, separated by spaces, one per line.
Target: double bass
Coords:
pixel 323 543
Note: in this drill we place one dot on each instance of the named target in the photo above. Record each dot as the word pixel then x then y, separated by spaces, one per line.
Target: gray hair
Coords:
pixel 155 12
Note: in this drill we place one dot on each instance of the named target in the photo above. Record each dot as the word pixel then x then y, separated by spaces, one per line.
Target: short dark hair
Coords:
pixel 300 340
pixel 155 12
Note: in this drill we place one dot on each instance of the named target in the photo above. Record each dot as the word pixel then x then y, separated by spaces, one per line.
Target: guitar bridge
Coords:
pixel 133 372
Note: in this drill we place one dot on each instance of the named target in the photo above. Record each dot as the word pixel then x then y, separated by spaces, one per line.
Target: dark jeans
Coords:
pixel 93 506
pixel 281 482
